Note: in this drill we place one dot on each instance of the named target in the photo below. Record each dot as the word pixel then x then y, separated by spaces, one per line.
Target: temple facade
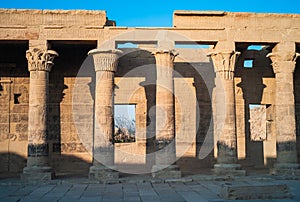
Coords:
pixel 216 93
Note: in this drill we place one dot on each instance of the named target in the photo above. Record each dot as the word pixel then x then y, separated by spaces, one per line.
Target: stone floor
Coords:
pixel 136 188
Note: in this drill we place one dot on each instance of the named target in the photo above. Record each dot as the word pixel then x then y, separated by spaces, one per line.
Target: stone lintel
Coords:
pixel 105 59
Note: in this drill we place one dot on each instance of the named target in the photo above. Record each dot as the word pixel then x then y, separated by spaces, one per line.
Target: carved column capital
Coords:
pixel 164 64
pixel 224 62
pixel 105 60
pixel 170 54
pixel 283 61
pixel 40 60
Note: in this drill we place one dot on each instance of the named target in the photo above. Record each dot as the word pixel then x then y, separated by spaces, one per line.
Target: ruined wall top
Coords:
pixel 241 20
pixel 201 26
pixel 52 17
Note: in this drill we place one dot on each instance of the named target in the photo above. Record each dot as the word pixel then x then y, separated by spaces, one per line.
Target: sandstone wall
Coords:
pixel 263 27
pixel 255 85
pixel 135 81
pixel 68 150
pixel 73 33
pixel 297 106
pixel 14 106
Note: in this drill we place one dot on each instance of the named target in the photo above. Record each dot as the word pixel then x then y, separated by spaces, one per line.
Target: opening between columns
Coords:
pixel 71 82
pixel 255 86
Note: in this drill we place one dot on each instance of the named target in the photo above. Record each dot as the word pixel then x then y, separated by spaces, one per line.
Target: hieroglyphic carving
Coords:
pixel 258 123
pixel 36 150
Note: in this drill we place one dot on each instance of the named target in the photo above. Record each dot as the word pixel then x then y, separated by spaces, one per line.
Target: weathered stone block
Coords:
pixel 171 172
pixel 285 169
pixel 228 169
pixel 21 127
pixel 23 136
pixel 248 192
pixel 103 174
pixel 37 173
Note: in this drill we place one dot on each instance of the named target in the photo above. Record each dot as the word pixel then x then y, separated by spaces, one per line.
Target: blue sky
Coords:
pixel 127 111
pixel 156 12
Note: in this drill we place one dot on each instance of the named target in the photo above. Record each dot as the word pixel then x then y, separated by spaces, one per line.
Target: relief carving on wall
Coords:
pixel 258 122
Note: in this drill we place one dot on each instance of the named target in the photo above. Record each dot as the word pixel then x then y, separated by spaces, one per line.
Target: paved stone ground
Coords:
pixel 199 189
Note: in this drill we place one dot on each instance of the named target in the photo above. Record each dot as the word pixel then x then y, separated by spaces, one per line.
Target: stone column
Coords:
pixel 105 64
pixel 39 64
pixel 224 113
pixel 283 60
pixel 165 156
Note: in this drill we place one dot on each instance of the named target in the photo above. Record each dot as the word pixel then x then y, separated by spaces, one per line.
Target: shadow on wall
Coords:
pixel 131 64
pixel 67 166
pixel 253 88
pixel 12 165
pixel 204 127
pixel 62 133
pixel 297 101
pixel 136 62
pixel 72 166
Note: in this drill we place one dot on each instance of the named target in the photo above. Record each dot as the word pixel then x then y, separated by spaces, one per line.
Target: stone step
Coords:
pixel 249 192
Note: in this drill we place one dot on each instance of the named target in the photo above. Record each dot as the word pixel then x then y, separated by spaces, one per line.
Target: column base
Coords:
pixel 103 174
pixel 163 172
pixel 228 169
pixel 37 173
pixel 285 169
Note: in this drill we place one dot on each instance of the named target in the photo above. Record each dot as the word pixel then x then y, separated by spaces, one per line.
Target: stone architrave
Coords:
pixel 105 64
pixel 165 156
pixel 224 112
pixel 284 62
pixel 40 63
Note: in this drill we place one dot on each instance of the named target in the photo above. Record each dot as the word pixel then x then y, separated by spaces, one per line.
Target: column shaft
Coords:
pixel 38 148
pixel 284 61
pixel 165 109
pixel 224 113
pixel 105 64
pixel 104 120
pixel 165 155
pixel 224 106
pixel 285 119
pixel 227 139
pixel 39 65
